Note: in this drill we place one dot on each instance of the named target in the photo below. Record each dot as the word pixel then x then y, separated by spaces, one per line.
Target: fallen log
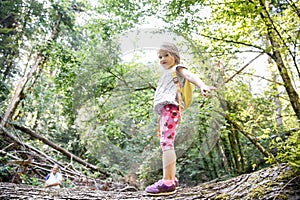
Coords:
pixel 58 148
pixel 278 182
pixel 39 161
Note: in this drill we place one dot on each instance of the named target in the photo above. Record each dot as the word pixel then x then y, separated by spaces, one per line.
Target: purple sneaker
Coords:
pixel 159 188
pixel 176 182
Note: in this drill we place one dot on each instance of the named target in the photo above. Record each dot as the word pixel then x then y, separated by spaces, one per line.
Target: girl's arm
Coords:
pixel 193 78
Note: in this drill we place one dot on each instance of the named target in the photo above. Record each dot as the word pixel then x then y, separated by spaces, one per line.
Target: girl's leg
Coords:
pixel 169 119
pixel 169 165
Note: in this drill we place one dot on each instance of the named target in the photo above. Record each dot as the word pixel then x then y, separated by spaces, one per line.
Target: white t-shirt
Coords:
pixel 166 91
pixel 54 179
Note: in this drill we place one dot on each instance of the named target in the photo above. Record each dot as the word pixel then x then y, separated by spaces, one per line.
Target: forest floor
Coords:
pixel 278 182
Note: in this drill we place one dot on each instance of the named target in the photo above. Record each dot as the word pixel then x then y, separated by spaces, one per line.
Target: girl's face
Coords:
pixel 166 59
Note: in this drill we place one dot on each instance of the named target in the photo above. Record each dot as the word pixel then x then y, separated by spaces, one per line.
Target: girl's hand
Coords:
pixel 206 89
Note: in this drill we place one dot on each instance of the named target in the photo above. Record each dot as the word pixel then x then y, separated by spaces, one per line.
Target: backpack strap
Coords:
pixel 178 86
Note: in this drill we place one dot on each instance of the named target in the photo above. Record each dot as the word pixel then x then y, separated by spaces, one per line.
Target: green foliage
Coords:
pixel 63 66
pixel 4 88
pixel 197 143
pixel 30 180
pixel 117 131
pixel 256 115
pixel 5 170
pixel 9 16
pixel 150 169
pixel 67 183
pixel 287 148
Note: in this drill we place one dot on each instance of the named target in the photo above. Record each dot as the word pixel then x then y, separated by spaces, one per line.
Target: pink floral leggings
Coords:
pixel 168 121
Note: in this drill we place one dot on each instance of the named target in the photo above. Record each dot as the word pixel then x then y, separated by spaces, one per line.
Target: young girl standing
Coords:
pixel 167 106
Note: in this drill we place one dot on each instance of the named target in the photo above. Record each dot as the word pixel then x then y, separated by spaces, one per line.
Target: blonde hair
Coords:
pixel 172 49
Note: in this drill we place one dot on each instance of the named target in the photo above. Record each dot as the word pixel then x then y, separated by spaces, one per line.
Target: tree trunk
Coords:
pixel 19 93
pixel 278 58
pixel 238 143
pixel 293 95
pixel 277 105
pixel 223 157
pixel 234 151
pixel 230 163
pixel 250 137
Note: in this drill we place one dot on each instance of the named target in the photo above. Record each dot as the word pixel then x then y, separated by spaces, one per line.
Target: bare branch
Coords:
pixel 241 69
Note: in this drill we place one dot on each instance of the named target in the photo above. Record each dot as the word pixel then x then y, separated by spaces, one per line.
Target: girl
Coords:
pixel 167 106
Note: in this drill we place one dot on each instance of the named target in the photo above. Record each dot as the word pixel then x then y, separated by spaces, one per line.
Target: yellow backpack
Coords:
pixel 185 92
